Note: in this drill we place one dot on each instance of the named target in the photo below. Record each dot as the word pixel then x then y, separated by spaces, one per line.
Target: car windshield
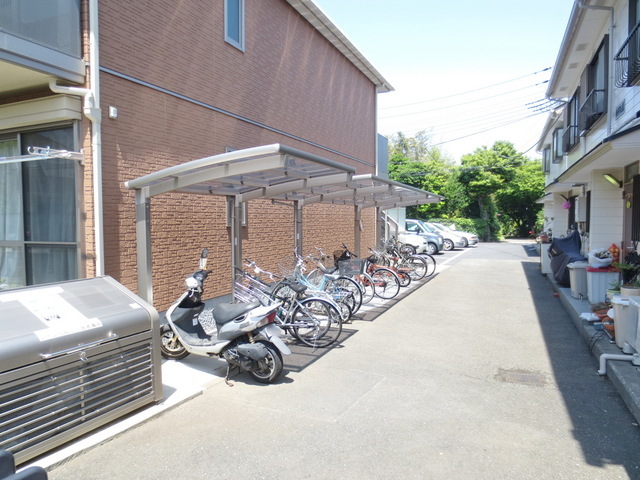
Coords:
pixel 428 227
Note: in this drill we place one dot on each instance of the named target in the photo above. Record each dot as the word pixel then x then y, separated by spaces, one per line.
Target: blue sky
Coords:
pixel 458 67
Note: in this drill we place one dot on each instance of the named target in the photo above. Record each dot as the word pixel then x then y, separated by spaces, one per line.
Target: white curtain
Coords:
pixel 12 269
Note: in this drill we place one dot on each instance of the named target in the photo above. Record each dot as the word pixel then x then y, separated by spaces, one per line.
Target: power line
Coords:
pixel 467 102
pixel 469 91
pixel 486 130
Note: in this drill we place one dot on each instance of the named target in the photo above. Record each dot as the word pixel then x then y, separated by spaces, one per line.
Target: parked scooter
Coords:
pixel 245 334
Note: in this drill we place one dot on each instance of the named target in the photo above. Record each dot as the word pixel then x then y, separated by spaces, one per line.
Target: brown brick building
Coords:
pixel 141 86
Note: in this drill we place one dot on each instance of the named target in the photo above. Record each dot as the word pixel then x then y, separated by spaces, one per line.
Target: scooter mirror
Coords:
pixel 203 258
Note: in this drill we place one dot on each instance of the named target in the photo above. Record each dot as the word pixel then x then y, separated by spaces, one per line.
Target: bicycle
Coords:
pixel 341 290
pixel 385 280
pixel 314 321
pixel 353 269
pixel 419 266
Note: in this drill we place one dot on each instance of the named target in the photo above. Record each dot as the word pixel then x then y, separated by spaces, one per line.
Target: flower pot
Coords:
pixel 629 291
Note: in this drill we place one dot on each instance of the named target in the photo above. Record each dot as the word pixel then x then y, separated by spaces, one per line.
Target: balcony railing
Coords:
pixel 592 109
pixel 627 60
pixel 54 24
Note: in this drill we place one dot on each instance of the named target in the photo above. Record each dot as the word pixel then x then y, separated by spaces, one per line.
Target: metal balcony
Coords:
pixel 627 60
pixel 592 109
pixel 39 40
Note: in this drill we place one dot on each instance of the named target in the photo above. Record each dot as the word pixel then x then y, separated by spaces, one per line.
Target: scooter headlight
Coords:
pixel 191 282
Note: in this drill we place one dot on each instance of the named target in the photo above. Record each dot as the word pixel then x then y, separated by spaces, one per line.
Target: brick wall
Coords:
pixel 289 78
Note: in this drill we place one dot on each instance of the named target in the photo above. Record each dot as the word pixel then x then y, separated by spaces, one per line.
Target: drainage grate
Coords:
pixel 522 377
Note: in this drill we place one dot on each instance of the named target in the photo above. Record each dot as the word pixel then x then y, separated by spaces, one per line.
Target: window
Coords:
pixel 635 209
pixel 558 151
pixel 38 235
pixel 546 159
pixel 234 23
pixel 570 136
pixel 595 103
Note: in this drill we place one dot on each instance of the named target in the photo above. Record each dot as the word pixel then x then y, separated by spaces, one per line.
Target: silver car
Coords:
pixel 451 240
pixel 471 239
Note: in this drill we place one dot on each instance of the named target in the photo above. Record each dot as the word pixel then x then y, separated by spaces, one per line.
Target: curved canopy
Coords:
pixel 275 172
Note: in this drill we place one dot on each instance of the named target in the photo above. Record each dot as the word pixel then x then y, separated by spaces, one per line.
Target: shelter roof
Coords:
pixel 281 173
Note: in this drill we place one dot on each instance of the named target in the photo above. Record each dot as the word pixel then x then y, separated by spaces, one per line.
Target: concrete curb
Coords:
pixel 624 376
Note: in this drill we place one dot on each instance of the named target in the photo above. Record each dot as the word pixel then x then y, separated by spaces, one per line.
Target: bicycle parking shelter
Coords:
pixel 274 172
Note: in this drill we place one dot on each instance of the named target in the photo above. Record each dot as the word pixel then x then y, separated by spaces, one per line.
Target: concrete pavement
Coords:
pixel 480 373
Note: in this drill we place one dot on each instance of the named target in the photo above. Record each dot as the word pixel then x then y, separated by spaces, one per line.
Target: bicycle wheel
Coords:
pixel 417 267
pixel 404 277
pixel 368 289
pixel 387 283
pixel 283 293
pixel 431 264
pixel 316 322
pixel 349 285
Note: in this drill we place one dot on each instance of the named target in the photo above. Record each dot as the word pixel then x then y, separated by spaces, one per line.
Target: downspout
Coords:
pixel 610 80
pixel 91 109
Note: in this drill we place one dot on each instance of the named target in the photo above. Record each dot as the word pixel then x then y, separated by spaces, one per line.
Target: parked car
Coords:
pixel 451 240
pixel 468 237
pixel 430 244
pixel 434 239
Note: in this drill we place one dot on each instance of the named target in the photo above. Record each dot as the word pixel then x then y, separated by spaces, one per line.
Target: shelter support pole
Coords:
pixel 143 242
pixel 382 226
pixel 357 229
pixel 297 227
pixel 235 222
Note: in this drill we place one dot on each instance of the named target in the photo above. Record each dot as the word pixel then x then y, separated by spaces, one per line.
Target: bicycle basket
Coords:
pixel 351 267
pixel 339 255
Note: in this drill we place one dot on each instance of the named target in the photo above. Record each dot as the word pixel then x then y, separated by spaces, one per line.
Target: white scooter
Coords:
pixel 245 334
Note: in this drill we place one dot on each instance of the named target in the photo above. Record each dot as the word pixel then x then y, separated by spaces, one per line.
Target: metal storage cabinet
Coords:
pixel 73 356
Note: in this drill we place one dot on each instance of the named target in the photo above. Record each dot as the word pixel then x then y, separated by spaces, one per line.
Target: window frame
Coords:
pixel 571 123
pixel 25 245
pixel 237 8
pixel 557 148
pixel 595 105
pixel 546 159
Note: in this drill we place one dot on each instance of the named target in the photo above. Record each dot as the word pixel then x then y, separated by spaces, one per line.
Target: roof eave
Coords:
pixel 321 22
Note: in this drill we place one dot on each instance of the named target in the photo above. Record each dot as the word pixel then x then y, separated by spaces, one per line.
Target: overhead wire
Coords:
pixel 486 117
pixel 470 91
pixel 477 100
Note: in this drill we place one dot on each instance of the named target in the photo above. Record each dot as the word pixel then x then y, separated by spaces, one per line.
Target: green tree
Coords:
pixel 516 200
pixel 413 161
pixel 483 173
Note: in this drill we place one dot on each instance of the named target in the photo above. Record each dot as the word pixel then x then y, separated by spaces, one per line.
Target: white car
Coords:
pixel 451 239
pixel 470 239
pixel 418 242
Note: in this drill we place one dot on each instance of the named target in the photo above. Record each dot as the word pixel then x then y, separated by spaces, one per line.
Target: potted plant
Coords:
pixel 631 288
pixel 614 289
pixel 629 278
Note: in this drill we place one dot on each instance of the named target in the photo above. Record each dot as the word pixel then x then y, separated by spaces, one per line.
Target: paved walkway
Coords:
pixel 478 374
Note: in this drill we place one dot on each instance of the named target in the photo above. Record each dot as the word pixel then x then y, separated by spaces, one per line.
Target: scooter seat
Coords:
pixel 225 312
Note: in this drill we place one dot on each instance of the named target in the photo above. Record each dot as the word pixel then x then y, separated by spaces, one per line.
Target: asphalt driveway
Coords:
pixel 478 374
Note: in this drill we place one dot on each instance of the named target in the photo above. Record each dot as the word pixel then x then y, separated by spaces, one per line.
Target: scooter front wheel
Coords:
pixel 170 345
pixel 270 367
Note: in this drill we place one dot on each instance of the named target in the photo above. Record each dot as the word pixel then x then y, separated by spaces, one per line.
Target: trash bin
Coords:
pixel 578 279
pixel 73 357
pixel 598 282
pixel 620 319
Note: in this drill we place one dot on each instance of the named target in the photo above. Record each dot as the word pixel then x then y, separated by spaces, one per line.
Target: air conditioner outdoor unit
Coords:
pixel 581 209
